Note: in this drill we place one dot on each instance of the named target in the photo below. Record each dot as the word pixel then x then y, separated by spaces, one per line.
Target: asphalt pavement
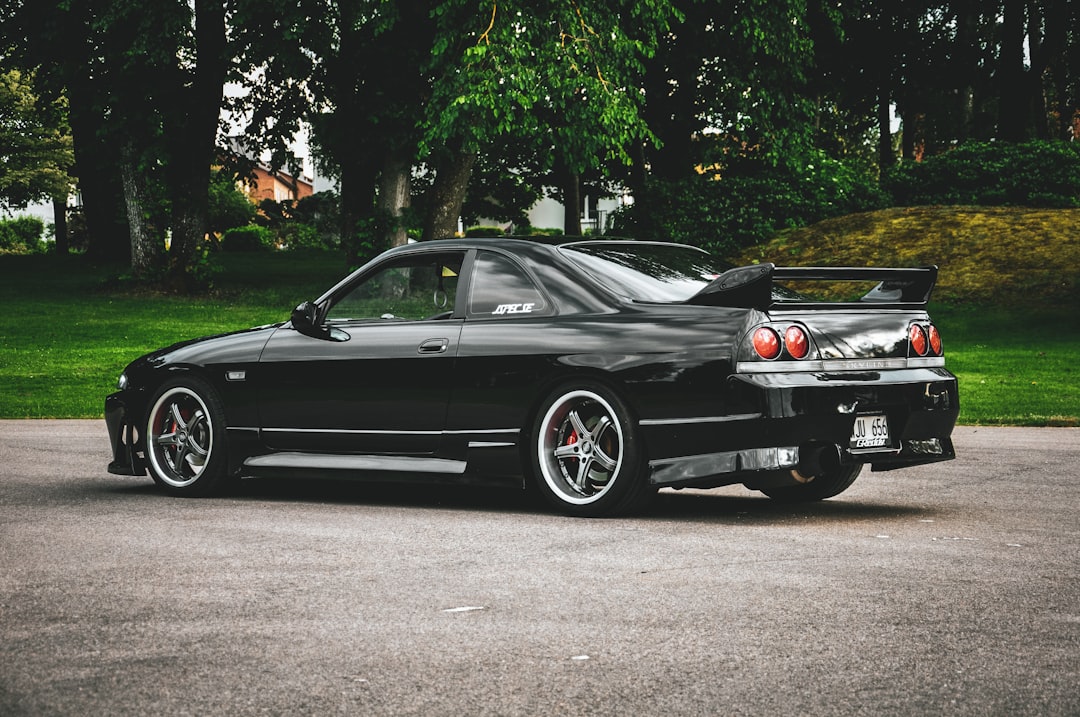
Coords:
pixel 949 589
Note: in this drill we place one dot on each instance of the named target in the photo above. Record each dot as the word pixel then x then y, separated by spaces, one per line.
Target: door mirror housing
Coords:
pixel 305 319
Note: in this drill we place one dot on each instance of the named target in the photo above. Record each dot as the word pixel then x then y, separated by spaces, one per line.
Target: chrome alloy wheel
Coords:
pixel 580 447
pixel 180 437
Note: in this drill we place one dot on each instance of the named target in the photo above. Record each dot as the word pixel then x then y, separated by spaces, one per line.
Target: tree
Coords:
pixel 56 43
pixel 35 145
pixel 731 78
pixel 413 86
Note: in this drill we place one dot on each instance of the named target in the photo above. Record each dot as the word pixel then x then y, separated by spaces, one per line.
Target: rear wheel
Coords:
pixel 586 454
pixel 185 438
pixel 831 482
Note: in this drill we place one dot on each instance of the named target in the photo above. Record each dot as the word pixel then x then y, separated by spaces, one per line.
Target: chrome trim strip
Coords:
pixel 698 419
pixel 838 365
pixel 242 428
pixel 333 461
pixel 353 431
pixel 777 366
pixel 928 362
pixel 490 444
pixel 482 431
pixel 376 432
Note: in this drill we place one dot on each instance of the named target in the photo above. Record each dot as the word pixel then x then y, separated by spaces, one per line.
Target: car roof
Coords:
pixel 562 278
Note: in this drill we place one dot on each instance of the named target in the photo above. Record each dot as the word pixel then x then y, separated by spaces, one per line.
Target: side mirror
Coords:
pixel 304 318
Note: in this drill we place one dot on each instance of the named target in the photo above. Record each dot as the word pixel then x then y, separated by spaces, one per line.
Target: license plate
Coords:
pixel 870 431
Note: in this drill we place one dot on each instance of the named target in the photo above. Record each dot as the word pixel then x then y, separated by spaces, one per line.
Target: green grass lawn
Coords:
pixel 1016 366
pixel 64 337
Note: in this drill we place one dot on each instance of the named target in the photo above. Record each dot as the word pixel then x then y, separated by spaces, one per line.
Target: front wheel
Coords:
pixel 586 454
pixel 185 438
pixel 831 482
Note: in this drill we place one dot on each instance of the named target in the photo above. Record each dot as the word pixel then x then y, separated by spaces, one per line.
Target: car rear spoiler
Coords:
pixel 752 286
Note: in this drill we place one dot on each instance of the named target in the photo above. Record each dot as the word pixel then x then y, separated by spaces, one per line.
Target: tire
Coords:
pixel 830 483
pixel 185 438
pixel 586 454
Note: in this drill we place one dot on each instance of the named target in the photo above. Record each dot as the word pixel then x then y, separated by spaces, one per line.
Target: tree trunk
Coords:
pixel 394 187
pixel 448 194
pixel 147 248
pixel 357 197
pixel 907 135
pixel 191 130
pixel 967 60
pixel 571 195
pixel 1014 100
pixel 886 157
pixel 60 233
pixel 98 172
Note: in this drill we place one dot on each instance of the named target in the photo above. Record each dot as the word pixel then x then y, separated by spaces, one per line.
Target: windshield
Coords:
pixel 647 272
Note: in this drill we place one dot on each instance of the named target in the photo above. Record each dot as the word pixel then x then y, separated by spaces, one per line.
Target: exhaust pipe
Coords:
pixel 815 460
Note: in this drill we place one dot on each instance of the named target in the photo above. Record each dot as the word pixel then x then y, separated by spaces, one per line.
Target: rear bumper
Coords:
pixel 125 438
pixel 790 421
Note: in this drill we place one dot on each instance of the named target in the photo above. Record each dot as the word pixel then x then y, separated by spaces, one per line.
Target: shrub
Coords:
pixel 22 235
pixel 746 203
pixel 249 238
pixel 527 230
pixel 313 222
pixel 1029 174
pixel 484 232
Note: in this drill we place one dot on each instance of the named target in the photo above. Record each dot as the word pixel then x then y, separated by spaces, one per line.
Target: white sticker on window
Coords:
pixel 514 309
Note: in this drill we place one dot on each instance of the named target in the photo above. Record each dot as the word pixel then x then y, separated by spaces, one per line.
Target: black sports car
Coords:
pixel 594 372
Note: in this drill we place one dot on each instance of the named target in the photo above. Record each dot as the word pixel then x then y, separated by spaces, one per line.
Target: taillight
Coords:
pixel 935 340
pixel 796 342
pixel 767 343
pixel 917 337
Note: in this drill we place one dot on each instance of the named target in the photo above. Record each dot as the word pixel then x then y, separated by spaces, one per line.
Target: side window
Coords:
pixel 500 287
pixel 413 288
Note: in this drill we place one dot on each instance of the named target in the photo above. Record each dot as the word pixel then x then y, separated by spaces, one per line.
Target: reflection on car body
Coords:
pixel 595 371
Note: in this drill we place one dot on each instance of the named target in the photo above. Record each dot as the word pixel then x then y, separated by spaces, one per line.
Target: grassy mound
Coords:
pixel 1006 298
pixel 998 255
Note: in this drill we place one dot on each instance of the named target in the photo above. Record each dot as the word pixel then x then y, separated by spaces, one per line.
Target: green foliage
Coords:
pixel 1011 256
pixel 229 207
pixel 746 203
pixel 481 231
pixel 1032 174
pixel 35 144
pixel 309 223
pixel 247 238
pixel 22 235
pixel 530 231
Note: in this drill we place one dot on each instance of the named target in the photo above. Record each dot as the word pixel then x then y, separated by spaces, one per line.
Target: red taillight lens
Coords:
pixel 935 340
pixel 917 337
pixel 796 342
pixel 767 343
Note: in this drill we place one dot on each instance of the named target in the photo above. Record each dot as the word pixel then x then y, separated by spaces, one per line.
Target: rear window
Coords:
pixel 664 273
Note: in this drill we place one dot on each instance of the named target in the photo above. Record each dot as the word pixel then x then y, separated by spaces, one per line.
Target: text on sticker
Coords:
pixel 513 309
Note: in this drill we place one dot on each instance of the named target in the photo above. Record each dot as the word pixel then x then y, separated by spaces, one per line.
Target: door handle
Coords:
pixel 433 346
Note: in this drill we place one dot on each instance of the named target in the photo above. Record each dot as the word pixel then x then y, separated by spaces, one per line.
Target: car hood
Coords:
pixel 233 347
